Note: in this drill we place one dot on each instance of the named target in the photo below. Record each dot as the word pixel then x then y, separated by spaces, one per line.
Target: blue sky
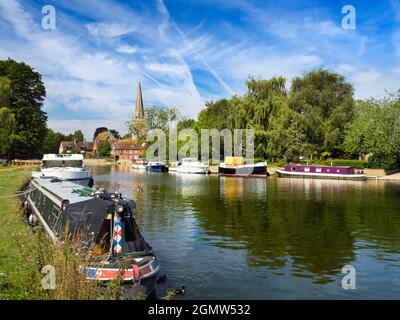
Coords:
pixel 187 52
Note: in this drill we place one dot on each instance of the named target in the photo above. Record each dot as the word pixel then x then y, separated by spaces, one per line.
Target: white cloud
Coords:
pixel 126 49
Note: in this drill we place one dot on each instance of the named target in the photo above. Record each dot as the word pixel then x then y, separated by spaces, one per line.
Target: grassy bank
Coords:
pixel 25 251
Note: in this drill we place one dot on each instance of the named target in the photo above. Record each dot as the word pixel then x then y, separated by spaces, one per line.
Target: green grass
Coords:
pixel 18 278
pixel 25 251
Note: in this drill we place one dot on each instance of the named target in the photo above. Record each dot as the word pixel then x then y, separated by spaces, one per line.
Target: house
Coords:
pixel 101 137
pixel 127 150
pixel 75 147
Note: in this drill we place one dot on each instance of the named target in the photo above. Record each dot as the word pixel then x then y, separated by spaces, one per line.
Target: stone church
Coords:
pixel 132 149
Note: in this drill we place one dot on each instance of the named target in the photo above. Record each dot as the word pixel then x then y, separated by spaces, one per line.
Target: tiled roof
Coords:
pixel 127 145
pixel 77 145
pixel 103 136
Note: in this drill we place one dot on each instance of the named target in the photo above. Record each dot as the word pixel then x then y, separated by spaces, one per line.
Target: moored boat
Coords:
pixel 65 167
pixel 321 172
pixel 140 167
pixel 105 221
pixel 234 166
pixel 191 165
pixel 156 166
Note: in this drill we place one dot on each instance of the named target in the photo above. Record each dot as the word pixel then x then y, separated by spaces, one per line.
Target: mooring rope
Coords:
pixel 18 194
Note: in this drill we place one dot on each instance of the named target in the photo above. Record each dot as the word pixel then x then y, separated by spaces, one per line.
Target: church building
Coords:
pixel 132 149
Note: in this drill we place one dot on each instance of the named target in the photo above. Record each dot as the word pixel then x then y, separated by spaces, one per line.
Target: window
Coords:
pixel 318 170
pixel 306 169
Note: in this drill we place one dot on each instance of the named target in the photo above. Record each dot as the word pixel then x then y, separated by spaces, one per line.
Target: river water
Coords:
pixel 275 238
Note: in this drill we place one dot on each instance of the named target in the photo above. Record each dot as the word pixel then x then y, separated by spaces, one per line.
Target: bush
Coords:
pixel 358 164
pixel 387 162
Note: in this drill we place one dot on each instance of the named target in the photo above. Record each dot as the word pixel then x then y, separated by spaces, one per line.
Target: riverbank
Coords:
pixel 24 252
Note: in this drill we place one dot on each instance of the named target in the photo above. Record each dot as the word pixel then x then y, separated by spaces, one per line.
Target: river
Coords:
pixel 275 238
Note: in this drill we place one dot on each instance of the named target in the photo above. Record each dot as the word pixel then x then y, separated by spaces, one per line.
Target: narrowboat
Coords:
pixel 107 227
pixel 156 166
pixel 66 167
pixel 321 172
pixel 234 166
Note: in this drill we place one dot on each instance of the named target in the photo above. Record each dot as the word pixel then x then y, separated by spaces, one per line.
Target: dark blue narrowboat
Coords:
pixel 105 221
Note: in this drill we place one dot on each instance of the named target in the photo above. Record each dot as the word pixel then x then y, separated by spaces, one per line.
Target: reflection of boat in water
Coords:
pixel 320 172
pixel 235 166
pixel 65 167
pixel 139 167
pixel 156 166
pixel 104 222
pixel 191 165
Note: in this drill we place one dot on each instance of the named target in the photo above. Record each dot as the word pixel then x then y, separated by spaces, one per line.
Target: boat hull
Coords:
pixel 192 170
pixel 158 168
pixel 313 175
pixel 243 170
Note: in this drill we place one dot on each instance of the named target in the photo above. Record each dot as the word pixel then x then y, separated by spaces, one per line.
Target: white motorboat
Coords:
pixel 191 165
pixel 65 167
pixel 139 167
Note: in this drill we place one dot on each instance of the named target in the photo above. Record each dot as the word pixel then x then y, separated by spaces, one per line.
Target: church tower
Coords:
pixel 139 122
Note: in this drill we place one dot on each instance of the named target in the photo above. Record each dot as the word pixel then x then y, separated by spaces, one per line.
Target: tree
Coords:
pixel 115 133
pixel 104 149
pixel 52 141
pixel 27 93
pixel 375 130
pixel 7 128
pixel 326 101
pixel 98 131
pixel 5 92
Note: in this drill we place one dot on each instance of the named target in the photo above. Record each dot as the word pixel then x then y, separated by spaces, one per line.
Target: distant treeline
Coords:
pixel 23 130
pixel 316 118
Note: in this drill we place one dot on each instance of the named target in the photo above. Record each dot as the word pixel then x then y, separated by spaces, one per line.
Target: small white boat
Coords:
pixel 139 167
pixel 65 167
pixel 191 165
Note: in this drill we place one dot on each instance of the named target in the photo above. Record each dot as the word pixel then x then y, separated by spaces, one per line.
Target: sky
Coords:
pixel 188 52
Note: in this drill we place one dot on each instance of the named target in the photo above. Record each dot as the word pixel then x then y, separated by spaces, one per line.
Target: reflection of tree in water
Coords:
pixel 310 227
pixel 311 224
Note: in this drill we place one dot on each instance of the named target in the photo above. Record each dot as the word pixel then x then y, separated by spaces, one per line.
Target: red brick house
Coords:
pixel 127 150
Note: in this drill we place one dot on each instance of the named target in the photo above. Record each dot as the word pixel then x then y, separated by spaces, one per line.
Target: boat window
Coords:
pixel 306 169
pixel 61 163
pixel 103 243
pixel 318 170
pixel 293 168
pixel 132 240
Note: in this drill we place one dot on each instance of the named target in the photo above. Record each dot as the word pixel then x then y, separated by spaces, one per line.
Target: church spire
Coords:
pixel 139 112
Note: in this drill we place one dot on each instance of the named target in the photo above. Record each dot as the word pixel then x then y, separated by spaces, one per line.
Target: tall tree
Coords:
pixel 7 129
pixel 25 102
pixel 52 141
pixel 326 101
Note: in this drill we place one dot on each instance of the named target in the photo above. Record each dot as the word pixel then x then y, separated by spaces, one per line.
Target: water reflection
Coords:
pixel 277 238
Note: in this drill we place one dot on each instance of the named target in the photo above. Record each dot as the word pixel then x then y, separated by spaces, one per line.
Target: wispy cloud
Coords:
pixel 188 52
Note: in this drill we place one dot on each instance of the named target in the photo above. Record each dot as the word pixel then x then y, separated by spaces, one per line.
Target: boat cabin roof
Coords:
pixel 62 157
pixel 314 166
pixel 65 190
